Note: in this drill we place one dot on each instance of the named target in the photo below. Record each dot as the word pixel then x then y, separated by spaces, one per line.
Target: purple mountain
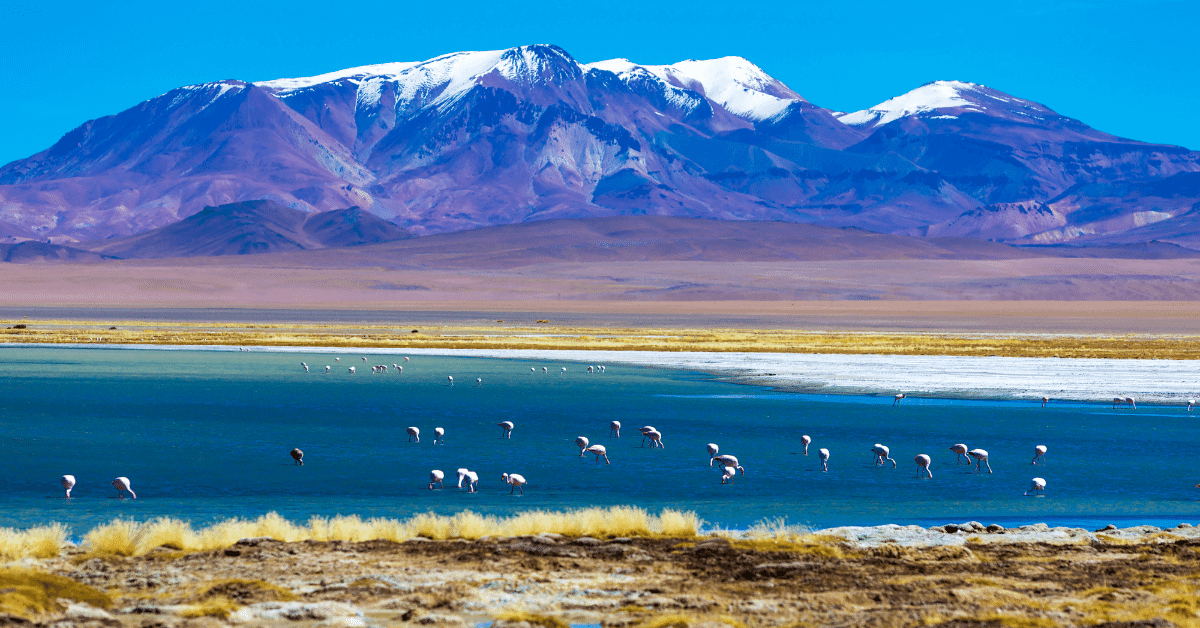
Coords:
pixel 489 138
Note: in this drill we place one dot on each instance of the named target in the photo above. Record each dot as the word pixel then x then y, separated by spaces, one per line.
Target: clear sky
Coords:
pixel 1127 67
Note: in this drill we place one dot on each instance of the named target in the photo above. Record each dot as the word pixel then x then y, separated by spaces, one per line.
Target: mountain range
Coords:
pixel 477 139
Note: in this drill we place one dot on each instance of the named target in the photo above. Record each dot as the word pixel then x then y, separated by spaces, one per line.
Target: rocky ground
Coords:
pixel 965 577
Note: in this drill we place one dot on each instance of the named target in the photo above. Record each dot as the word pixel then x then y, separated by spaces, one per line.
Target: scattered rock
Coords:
pixel 586 540
pixel 436 619
pixel 950 528
pixel 995 529
pixel 293 611
pixel 1184 525
pixel 1107 528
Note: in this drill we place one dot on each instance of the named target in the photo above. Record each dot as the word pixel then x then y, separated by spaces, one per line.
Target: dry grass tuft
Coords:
pixel 681 620
pixel 39 542
pixel 532 619
pixel 244 591
pixel 219 607
pixel 29 594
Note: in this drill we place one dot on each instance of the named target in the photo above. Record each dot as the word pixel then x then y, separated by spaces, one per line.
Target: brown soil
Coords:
pixel 631 582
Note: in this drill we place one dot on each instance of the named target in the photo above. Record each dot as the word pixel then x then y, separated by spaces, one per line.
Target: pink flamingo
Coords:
pixel 981 457
pixel 435 477
pixel 655 437
pixel 728 461
pixel 923 461
pixel 882 455
pixel 68 483
pixel 462 475
pixel 727 474
pixel 1045 400
pixel 1037 485
pixel 823 454
pixel 1039 454
pixel 961 450
pixel 515 481
pixel 614 427
pixel 582 442
pixel 298 456
pixel 472 481
pixel 712 452
pixel 897 398
pixel 122 484
pixel 439 435
pixel 805 440
pixel 599 450
pixel 413 433
pixel 506 428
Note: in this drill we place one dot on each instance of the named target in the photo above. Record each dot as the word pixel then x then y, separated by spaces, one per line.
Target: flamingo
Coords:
pixel 564 371
pixel 728 461
pixel 413 433
pixel 727 474
pixel 1117 401
pixel 713 450
pixel 1191 404
pixel 406 359
pixel 298 456
pixel 589 370
pixel 479 382
pixel 923 462
pixel 1132 402
pixel 981 457
pixel 823 454
pixel 353 370
pixel 507 427
pixel 532 370
pixel 882 455
pixel 655 437
pixel 1037 485
pixel 1039 453
pixel 472 481
pixel 364 359
pixel 515 481
pixel 122 484
pixel 582 441
pixel 1045 400
pixel 435 477
pixel 961 450
pixel 305 367
pixel 439 435
pixel 615 426
pixel 601 368
pixel 544 369
pixel 599 450
pixel 462 475
pixel 399 369
pixel 68 483
pixel 337 359
pixel 326 369
pixel 805 440
pixel 898 397
pixel 451 378
pixel 645 430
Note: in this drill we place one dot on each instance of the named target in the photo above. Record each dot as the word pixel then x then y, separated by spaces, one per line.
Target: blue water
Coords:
pixel 205 435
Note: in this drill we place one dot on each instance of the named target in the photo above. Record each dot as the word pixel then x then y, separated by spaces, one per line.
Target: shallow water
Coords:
pixel 205 435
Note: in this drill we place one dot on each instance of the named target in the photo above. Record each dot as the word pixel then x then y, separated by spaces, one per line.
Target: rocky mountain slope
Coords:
pixel 489 138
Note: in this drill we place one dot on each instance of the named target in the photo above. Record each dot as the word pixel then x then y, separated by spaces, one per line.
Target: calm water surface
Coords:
pixel 205 435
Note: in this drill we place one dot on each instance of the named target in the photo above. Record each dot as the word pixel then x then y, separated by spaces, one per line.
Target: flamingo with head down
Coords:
pixel 122 485
pixel 923 461
pixel 1039 454
pixel 981 457
pixel 823 454
pixel 961 450
pixel 413 433
pixel 805 440
pixel 713 450
pixel 514 480
pixel 68 483
pixel 599 450
pixel 506 428
pixel 582 442
pixel 882 455
pixel 435 477
pixel 1037 485
pixel 614 428
pixel 298 456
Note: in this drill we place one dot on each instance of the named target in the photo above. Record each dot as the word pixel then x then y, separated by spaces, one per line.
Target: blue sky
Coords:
pixel 1126 67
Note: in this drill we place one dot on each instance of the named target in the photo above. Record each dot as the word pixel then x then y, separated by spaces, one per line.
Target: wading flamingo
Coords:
pixel 479 382
pixel 805 440
pixel 823 454
pixel 713 450
pixel 439 436
pixel 1117 401
pixel 515 481
pixel 451 378
pixel 68 483
pixel 614 428
pixel 435 477
pixel 507 428
pixel 326 369
pixel 337 359
pixel 353 370
pixel 655 437
pixel 582 442
pixel 298 456
pixel 897 399
pixel 645 431
pixel 961 450
pixel 882 455
pixel 1045 400
pixel 406 359
pixel 725 460
pixel 1132 402
pixel 727 474
pixel 122 484
pixel 413 433
pixel 472 481
pixel 1039 454
pixel 462 475
pixel 599 450
pixel 544 370
pixel 981 457
pixel 1191 404
pixel 564 371
pixel 305 367
pixel 1037 485
pixel 923 462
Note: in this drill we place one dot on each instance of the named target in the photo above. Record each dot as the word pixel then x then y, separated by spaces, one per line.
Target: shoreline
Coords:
pixel 990 378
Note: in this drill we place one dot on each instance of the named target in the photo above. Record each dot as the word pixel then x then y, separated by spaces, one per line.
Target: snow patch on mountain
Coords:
pixel 735 83
pixel 286 85
pixel 926 98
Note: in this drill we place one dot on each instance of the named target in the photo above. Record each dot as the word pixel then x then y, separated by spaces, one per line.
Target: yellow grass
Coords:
pixel 27 593
pixel 39 542
pixel 532 619
pixel 122 537
pixel 616 339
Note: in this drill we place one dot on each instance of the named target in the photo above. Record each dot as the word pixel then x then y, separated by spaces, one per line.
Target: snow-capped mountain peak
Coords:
pixel 939 96
pixel 735 83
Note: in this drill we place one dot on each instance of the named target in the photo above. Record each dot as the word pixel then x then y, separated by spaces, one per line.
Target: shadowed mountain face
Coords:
pixel 490 138
pixel 254 227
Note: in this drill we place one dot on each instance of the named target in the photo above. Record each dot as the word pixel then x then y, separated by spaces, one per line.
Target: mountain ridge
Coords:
pixel 473 139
